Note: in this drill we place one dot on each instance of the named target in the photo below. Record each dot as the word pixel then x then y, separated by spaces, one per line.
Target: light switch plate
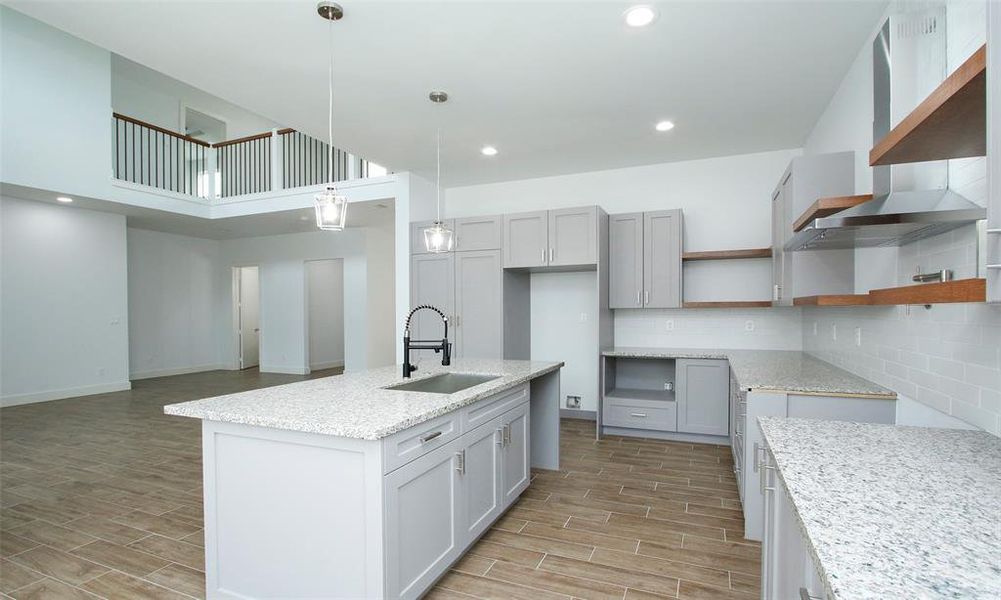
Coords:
pixel 669 325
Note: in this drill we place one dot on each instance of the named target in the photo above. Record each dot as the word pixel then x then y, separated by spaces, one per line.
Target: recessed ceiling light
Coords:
pixel 640 16
pixel 489 151
pixel 64 199
pixel 664 126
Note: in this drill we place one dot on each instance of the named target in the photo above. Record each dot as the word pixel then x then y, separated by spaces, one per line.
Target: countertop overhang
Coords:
pixel 890 511
pixel 356 405
pixel 773 370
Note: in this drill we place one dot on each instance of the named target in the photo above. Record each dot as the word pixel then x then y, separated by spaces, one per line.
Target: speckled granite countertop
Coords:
pixel 780 370
pixel 891 511
pixel 354 404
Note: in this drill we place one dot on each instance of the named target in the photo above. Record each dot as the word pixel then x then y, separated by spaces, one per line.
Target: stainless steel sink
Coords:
pixel 445 383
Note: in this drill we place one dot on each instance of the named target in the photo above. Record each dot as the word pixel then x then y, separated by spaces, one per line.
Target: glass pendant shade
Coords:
pixel 438 238
pixel 331 209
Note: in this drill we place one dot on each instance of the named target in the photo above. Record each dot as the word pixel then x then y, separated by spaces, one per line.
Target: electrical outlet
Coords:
pixel 573 401
pixel 669 325
pixel 815 328
pixel 858 336
pixel 669 386
pixel 834 331
pixel 748 325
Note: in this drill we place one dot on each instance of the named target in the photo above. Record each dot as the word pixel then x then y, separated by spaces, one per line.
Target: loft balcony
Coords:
pixel 153 157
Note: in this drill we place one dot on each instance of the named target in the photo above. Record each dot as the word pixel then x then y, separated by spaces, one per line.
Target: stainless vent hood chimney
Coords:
pixel 911 201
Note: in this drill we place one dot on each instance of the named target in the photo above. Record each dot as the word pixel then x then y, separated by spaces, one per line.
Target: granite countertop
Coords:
pixel 779 370
pixel 891 511
pixel 354 404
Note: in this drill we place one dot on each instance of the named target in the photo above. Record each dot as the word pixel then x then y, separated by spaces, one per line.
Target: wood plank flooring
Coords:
pixel 100 497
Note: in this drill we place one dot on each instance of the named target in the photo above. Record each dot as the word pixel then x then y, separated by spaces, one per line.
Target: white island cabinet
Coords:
pixel 340 488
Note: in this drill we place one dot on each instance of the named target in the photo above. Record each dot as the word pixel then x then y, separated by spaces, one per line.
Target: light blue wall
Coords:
pixel 55 112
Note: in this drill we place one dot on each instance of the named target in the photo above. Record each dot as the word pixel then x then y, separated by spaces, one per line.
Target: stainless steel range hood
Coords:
pixel 911 201
pixel 892 220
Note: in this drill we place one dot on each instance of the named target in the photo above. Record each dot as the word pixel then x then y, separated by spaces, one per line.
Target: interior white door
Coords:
pixel 250 317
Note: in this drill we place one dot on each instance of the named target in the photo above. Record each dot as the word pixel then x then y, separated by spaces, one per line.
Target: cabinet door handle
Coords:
pixel 763 479
pixel 460 462
pixel 646 297
pixel 550 255
pixel 507 434
pixel 804 594
pixel 641 415
pixel 543 256
pixel 759 459
pixel 639 299
pixel 427 438
pixel 500 437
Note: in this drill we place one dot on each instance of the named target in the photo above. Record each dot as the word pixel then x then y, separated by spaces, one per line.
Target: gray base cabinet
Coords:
pixel 636 396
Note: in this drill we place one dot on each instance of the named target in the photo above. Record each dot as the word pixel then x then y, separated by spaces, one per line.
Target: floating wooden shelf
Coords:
pixel 735 304
pixel 950 123
pixel 832 300
pixel 960 290
pixel 826 207
pixel 728 254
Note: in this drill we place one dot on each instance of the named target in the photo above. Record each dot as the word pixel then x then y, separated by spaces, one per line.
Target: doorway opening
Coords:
pixel 325 315
pixel 247 312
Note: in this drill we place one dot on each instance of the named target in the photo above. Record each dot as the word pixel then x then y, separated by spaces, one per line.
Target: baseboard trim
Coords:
pixel 326 365
pixel 693 438
pixel 49 395
pixel 575 413
pixel 284 370
pixel 177 371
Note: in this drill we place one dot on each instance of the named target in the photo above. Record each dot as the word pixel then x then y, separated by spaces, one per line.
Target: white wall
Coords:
pixel 150 96
pixel 563 328
pixel 174 302
pixel 63 302
pixel 325 283
pixel 947 358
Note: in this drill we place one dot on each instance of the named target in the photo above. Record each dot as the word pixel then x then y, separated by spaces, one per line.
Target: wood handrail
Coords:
pixel 249 138
pixel 285 131
pixel 181 136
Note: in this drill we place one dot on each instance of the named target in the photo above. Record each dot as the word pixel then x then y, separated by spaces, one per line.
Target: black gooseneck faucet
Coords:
pixel 444 346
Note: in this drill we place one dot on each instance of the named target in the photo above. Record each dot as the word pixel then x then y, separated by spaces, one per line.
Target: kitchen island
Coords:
pixel 340 487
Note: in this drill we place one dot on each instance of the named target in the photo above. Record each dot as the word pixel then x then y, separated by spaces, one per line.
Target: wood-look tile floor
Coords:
pixel 100 497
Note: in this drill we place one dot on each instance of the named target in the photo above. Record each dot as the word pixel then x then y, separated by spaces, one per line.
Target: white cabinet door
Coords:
pixel 625 261
pixel 432 281
pixel 478 233
pixel 481 478
pixel 662 259
pixel 516 453
pixel 573 236
pixel 526 239
pixel 703 395
pixel 423 520
pixel 478 307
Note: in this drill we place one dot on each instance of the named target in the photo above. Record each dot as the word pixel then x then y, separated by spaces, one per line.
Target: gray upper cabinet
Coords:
pixel 573 236
pixel 432 281
pixel 662 259
pixel 478 304
pixel 417 245
pixel 778 241
pixel 625 257
pixel 478 233
pixel 703 396
pixel 644 255
pixel 526 239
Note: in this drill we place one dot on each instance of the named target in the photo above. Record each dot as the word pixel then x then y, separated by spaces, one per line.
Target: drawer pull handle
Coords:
pixel 641 415
pixel 460 462
pixel 804 594
pixel 507 434
pixel 427 438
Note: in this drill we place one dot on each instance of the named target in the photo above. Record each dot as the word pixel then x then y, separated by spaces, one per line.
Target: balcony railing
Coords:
pixel 149 155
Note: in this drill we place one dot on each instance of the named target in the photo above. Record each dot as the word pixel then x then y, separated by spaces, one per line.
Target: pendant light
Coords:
pixel 331 207
pixel 438 238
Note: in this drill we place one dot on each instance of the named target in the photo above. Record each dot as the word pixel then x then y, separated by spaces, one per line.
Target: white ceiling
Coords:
pixel 375 213
pixel 557 86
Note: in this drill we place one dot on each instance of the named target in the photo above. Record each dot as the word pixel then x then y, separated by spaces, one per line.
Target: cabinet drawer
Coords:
pixel 404 446
pixel 657 415
pixel 488 408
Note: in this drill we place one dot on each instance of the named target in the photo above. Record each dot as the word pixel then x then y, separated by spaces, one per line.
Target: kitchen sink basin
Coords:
pixel 445 383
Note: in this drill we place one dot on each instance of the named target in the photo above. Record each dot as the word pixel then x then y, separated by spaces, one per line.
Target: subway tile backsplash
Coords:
pixel 948 357
pixel 755 329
